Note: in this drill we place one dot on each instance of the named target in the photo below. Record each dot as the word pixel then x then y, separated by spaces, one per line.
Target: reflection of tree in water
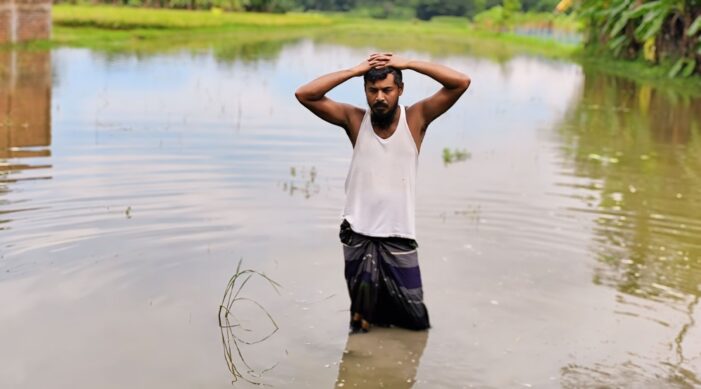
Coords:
pixel 250 51
pixel 247 49
pixel 640 150
pixel 382 358
pixel 232 329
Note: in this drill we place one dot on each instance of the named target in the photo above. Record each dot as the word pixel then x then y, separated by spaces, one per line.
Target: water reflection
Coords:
pixel 636 152
pixel 250 52
pixel 382 358
pixel 226 48
pixel 25 103
pixel 167 166
pixel 25 115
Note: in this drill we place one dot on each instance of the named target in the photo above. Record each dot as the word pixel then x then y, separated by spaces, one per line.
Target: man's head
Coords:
pixel 382 90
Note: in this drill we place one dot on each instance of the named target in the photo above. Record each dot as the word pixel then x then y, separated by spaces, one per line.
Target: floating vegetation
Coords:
pixel 473 213
pixel 231 327
pixel 302 181
pixel 603 159
pixel 455 155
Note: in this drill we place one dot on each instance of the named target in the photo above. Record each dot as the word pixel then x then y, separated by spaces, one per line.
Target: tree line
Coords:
pixel 420 9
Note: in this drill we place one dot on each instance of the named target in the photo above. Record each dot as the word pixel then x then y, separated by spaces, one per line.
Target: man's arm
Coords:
pixel 313 96
pixel 427 110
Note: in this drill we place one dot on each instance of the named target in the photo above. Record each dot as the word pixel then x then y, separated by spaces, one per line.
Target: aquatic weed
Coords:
pixel 231 340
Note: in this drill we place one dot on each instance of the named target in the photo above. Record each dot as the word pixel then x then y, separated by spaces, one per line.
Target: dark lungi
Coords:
pixel 383 278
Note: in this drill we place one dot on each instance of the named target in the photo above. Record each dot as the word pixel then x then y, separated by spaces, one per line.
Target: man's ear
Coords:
pixel 401 90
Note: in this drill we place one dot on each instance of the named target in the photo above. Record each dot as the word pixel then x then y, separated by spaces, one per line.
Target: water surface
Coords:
pixel 564 250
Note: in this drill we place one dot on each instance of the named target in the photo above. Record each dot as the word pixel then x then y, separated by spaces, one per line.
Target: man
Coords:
pixel 378 233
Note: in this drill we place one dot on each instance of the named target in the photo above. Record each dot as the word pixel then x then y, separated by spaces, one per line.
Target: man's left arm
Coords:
pixel 427 110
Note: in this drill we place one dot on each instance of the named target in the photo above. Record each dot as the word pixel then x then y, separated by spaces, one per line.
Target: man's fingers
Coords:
pixel 379 60
pixel 378 64
pixel 380 55
pixel 383 60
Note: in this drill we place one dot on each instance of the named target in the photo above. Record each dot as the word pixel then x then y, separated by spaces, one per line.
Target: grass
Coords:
pixel 124 18
pixel 121 29
pixel 112 28
pixel 232 328
pixel 445 36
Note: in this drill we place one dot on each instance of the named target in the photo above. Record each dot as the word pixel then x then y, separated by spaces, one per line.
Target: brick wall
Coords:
pixel 23 20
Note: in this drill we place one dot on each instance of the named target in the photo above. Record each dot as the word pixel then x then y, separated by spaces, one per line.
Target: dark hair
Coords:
pixel 374 74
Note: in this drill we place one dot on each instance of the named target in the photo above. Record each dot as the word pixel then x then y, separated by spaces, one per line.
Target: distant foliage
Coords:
pixel 275 6
pixel 327 5
pixel 658 31
pixel 382 9
pixel 539 5
pixel 426 9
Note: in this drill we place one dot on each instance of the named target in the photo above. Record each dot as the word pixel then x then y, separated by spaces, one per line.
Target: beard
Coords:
pixel 382 119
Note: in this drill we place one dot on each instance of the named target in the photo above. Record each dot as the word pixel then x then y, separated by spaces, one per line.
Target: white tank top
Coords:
pixel 380 187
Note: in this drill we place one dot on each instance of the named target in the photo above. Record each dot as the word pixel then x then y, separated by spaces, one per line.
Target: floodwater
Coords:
pixel 558 218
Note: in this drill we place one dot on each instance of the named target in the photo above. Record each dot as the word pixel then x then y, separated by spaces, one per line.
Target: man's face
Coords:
pixel 383 95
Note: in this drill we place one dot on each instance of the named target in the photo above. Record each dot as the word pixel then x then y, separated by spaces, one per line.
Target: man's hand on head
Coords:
pixel 379 61
pixel 372 61
pixel 382 60
pixel 362 68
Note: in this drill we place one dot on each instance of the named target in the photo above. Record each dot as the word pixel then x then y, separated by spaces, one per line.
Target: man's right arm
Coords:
pixel 313 96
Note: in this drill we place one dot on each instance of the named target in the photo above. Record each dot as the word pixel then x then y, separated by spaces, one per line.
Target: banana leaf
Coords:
pixel 677 67
pixel 695 27
pixel 689 68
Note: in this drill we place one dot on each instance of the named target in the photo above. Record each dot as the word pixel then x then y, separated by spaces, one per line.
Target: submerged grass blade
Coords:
pixel 232 351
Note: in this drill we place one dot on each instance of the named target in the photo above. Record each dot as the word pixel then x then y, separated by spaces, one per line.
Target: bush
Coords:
pixel 491 19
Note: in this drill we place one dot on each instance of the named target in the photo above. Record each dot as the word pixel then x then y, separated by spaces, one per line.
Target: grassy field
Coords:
pixel 125 18
pixel 120 28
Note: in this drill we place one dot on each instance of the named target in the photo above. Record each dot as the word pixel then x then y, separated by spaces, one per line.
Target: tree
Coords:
pixel 657 30
pixel 426 9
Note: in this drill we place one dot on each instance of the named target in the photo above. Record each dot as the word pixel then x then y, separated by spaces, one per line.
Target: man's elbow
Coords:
pixel 305 96
pixel 299 94
pixel 465 82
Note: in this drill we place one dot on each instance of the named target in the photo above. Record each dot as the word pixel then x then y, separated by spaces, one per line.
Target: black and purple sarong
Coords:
pixel 383 278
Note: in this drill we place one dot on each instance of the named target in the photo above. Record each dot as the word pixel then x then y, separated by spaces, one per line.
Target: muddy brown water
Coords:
pixel 559 233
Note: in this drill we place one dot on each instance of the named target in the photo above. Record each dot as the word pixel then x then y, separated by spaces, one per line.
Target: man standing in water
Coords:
pixel 378 230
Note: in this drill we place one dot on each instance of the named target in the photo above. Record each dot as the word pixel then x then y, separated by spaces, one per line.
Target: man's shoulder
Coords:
pixel 413 117
pixel 355 114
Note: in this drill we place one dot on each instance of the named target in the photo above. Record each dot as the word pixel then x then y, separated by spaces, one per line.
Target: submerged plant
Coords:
pixel 456 155
pixel 228 324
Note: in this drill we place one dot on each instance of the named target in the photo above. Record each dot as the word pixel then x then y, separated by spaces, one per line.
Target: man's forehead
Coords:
pixel 389 80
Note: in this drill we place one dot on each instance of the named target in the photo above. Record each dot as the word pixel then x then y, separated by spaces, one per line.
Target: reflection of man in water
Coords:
pixel 384 358
pixel 378 234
